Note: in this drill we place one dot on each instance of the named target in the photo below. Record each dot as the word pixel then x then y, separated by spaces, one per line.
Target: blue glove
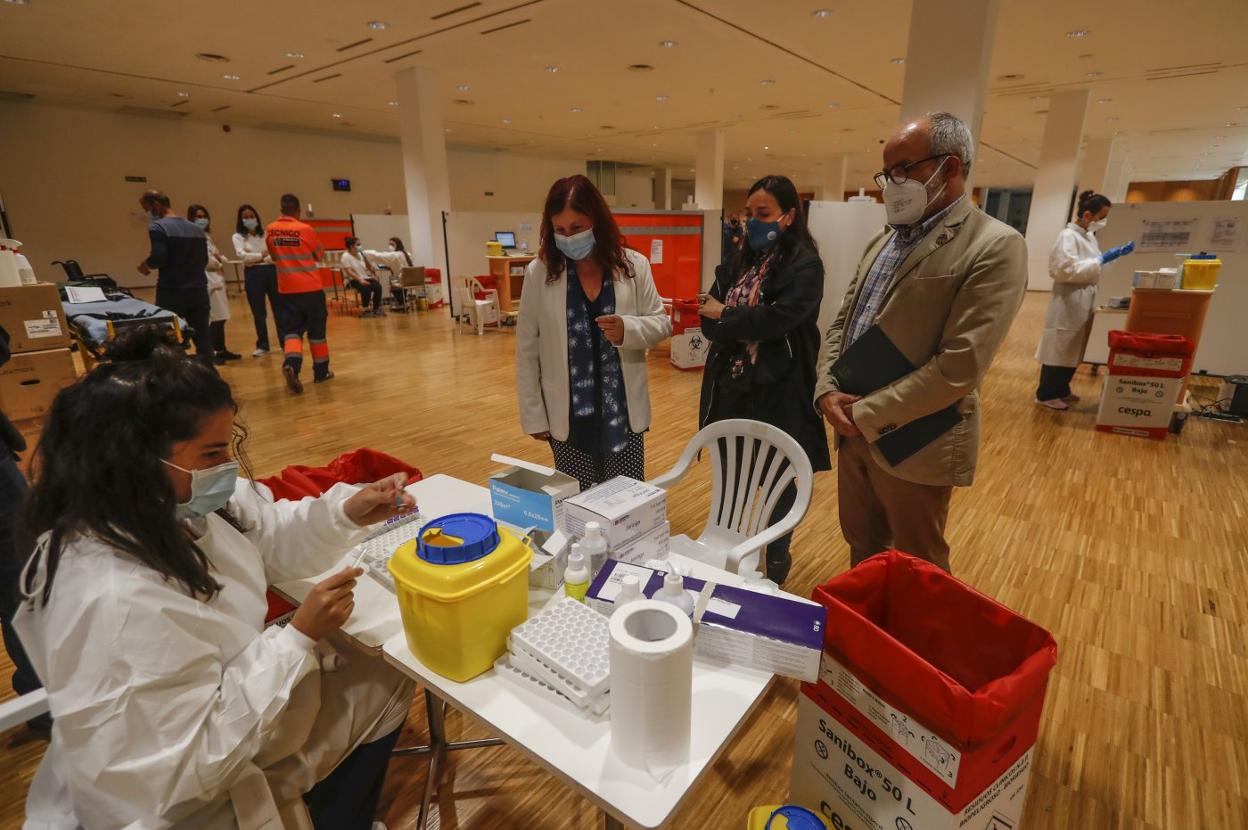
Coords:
pixel 1113 253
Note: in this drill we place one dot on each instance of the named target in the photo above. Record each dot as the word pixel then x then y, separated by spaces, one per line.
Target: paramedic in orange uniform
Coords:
pixel 297 252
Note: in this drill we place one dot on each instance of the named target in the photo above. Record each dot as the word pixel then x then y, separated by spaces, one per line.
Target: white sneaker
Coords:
pixel 259 352
pixel 1057 403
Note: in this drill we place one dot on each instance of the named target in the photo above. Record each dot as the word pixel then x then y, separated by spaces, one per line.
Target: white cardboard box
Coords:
pixel 689 349
pixel 530 495
pixel 652 545
pixel 623 507
pixel 1136 402
pixel 854 788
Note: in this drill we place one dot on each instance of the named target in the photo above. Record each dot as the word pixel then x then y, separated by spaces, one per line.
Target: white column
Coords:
pixel 1055 181
pixel 424 166
pixel 831 184
pixel 943 79
pixel 663 188
pixel 1101 166
pixel 708 185
pixel 1118 178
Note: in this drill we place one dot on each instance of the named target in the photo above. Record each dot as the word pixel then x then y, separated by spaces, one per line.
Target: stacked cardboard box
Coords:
pixel 42 364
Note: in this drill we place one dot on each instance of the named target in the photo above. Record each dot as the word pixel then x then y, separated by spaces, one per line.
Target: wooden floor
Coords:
pixel 1134 553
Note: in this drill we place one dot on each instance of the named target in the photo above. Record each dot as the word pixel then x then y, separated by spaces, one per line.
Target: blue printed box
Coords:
pixel 528 495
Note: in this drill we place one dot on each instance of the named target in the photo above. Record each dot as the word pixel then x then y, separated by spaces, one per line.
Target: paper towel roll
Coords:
pixel 651 685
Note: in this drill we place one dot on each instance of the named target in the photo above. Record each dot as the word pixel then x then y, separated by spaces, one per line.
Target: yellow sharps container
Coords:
pixel 463 584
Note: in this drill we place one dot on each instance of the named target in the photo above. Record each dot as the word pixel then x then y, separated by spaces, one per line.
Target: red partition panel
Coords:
pixel 333 234
pixel 679 275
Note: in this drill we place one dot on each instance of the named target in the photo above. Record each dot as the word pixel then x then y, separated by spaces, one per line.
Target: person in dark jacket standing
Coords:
pixel 180 256
pixel 760 317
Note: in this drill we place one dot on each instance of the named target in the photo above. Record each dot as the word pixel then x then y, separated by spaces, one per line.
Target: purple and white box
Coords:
pixel 779 634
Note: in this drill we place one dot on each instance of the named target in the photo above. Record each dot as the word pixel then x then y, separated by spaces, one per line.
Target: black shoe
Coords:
pixel 219 359
pixel 323 378
pixel 229 355
pixel 292 379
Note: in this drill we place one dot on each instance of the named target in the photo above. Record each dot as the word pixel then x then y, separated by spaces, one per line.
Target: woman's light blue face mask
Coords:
pixel 577 246
pixel 211 489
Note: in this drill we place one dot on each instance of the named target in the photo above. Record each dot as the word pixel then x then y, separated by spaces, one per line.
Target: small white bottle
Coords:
pixel 673 591
pixel 594 546
pixel 576 577
pixel 630 591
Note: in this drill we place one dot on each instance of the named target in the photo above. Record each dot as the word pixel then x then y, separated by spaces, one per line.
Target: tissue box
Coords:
pixel 623 507
pixel 779 634
pixel 530 495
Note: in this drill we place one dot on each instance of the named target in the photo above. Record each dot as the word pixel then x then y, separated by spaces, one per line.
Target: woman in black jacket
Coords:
pixel 760 318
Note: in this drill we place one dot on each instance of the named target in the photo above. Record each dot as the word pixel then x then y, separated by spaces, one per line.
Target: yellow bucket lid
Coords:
pixel 458 555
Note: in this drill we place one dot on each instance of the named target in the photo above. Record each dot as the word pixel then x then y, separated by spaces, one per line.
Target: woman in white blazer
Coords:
pixel 1075 266
pixel 589 310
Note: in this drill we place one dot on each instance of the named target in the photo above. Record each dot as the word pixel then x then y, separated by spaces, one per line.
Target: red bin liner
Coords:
pixel 959 662
pixel 360 466
pixel 1138 341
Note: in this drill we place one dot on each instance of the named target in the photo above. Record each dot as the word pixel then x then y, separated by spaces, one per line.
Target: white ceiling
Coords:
pixel 1173 79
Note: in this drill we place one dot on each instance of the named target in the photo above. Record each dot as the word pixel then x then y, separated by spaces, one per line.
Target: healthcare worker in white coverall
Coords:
pixel 1075 266
pixel 143 613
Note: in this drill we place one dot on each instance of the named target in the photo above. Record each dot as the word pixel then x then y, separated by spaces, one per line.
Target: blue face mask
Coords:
pixel 577 246
pixel 250 224
pixel 202 222
pixel 762 234
pixel 211 489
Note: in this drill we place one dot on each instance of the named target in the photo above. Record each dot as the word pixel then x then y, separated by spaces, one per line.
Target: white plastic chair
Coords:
pixel 480 312
pixel 752 464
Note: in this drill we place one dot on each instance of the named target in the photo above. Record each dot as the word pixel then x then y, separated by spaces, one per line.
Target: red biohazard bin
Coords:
pixel 433 277
pixel 910 649
pixel 685 316
pixel 1145 382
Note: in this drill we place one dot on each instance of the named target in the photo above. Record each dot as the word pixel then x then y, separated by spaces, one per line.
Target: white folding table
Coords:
pixel 570 745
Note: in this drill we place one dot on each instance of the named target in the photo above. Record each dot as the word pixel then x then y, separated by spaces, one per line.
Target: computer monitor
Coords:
pixel 506 238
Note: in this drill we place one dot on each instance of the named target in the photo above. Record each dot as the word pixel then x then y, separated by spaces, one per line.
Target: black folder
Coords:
pixel 872 362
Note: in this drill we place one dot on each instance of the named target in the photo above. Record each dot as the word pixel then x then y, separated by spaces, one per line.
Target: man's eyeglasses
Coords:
pixel 902 171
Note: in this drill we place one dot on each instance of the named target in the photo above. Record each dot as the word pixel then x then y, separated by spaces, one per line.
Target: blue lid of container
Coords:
pixel 796 818
pixel 457 538
pixel 1203 255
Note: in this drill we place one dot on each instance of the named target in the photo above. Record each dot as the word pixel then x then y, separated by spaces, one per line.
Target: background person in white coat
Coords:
pixel 218 300
pixel 588 312
pixel 1075 266
pixel 144 607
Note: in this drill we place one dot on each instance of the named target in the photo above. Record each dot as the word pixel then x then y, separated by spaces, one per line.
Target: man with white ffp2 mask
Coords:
pixel 942 284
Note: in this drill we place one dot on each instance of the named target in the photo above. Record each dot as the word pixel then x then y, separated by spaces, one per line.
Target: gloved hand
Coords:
pixel 1114 253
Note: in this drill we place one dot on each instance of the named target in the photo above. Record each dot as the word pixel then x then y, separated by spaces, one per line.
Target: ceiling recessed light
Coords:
pixel 212 57
pixel 184 94
pixel 380 25
pixel 335 115
pixel 898 61
pixel 552 69
pixel 660 98
pixel 822 13
pixel 392 103
pixel 295 56
pixel 765 147
pixel 1077 33
pixel 506 120
pixel 766 82
pixel 448 130
pixel 833 105
pixel 576 109
pixel 1230 124
pixel 668 44
pixel 18 2
pixel 463 87
pixel 231 77
pixel 1103 100
pixel 1095 74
